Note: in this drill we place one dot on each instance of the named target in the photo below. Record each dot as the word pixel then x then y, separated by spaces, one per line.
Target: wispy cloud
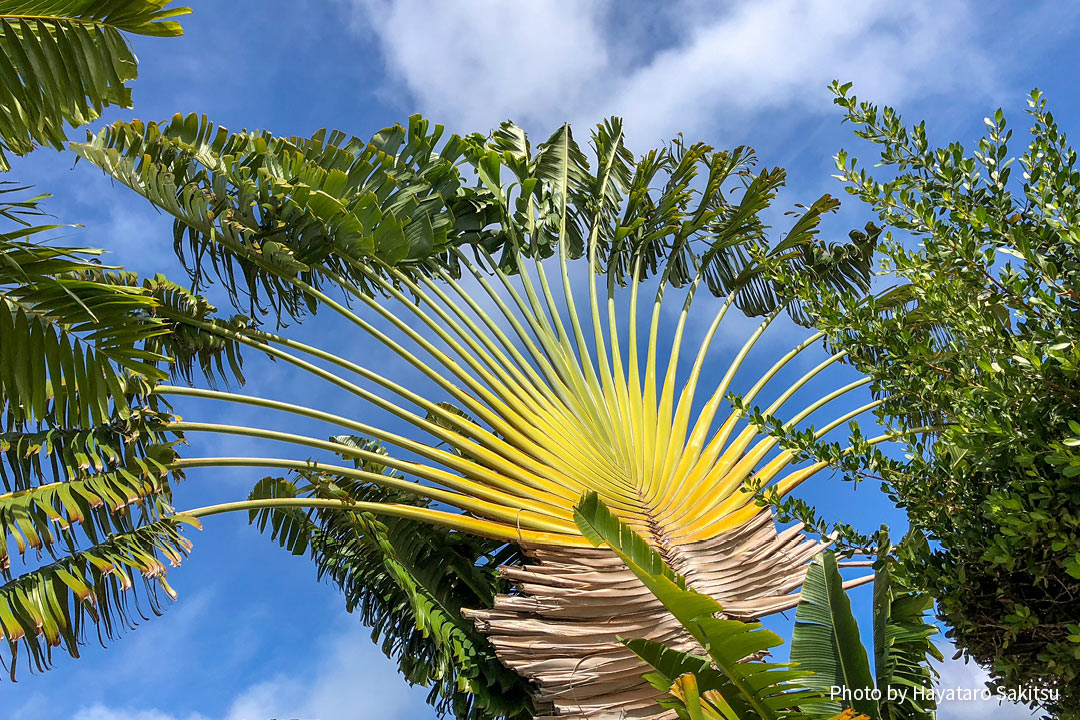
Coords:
pixel 349 679
pixel 957 675
pixel 475 64
pixel 101 712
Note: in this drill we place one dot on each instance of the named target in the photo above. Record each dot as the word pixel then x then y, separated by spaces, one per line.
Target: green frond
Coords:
pixel 100 503
pixel 81 344
pixel 603 528
pixel 66 344
pixel 290 527
pixel 826 641
pixel 408 582
pixel 261 210
pixel 54 605
pixel 60 453
pixel 187 344
pixel 64 61
pixel 73 333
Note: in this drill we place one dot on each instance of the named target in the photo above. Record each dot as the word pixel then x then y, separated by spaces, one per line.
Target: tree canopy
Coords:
pixel 974 351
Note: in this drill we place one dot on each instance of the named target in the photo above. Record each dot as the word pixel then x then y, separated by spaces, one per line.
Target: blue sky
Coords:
pixel 253 635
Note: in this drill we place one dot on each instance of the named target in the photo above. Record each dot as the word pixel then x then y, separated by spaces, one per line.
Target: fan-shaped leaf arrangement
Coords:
pixel 546 389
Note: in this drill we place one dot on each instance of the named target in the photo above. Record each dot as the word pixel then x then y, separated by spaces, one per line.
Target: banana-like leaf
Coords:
pixel 85 450
pixel 408 582
pixel 65 453
pixel 82 344
pixel 63 61
pixel 602 528
pixel 826 639
pixel 53 605
pixel 100 503
pixel 190 342
pixel 73 333
pixel 65 347
pixel 903 642
pixel 70 322
pixel 750 689
pixel 260 210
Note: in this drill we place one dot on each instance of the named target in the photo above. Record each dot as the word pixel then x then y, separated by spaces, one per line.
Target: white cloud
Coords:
pixel 478 63
pixel 969 676
pixel 474 64
pixel 100 712
pixel 776 54
pixel 351 679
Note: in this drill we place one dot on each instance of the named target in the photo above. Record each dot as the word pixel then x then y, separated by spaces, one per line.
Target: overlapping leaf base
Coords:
pixel 562 631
